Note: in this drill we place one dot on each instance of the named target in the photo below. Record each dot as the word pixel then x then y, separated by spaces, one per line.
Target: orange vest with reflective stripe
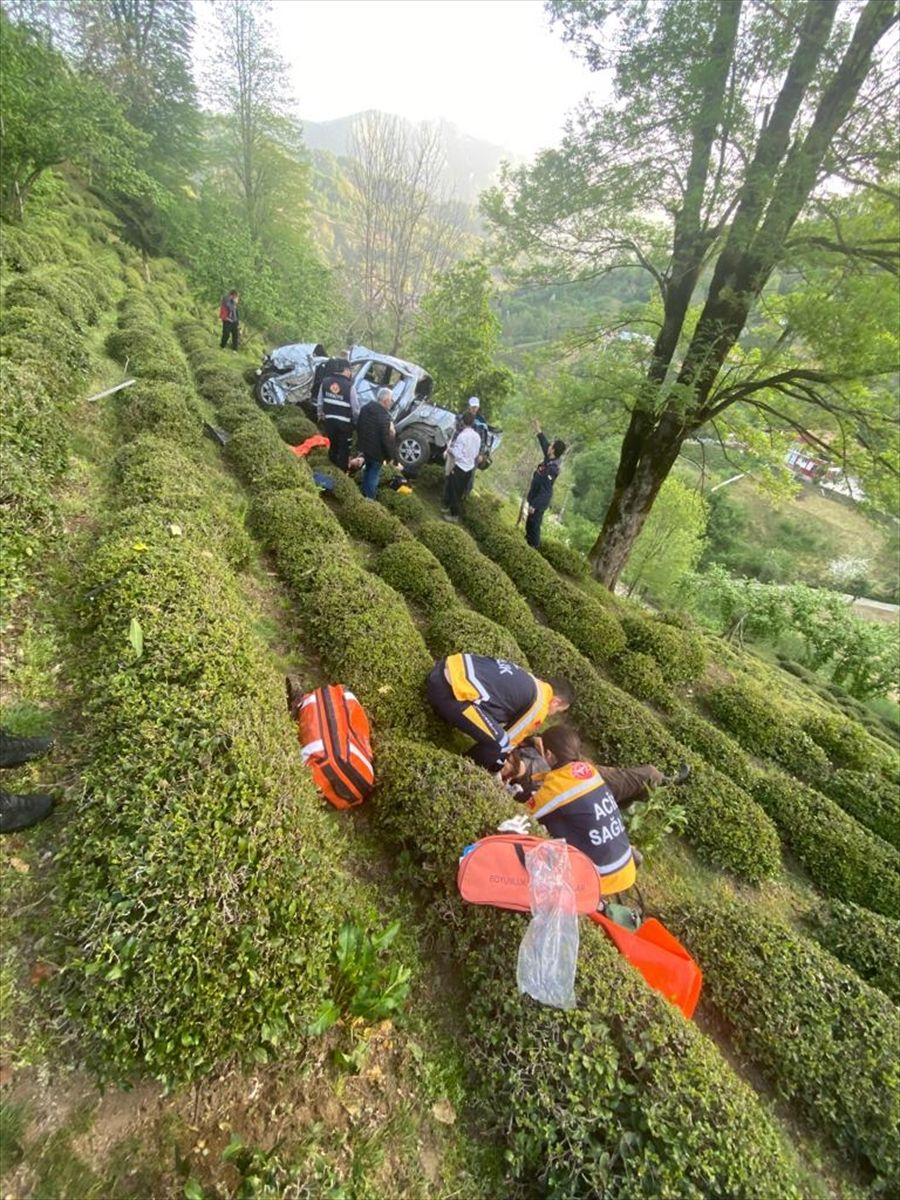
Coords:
pixel 574 803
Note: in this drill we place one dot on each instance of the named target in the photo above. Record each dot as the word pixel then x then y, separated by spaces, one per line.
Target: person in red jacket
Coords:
pixel 229 316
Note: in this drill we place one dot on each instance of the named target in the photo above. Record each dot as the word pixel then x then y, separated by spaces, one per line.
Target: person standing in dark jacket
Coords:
pixel 338 407
pixel 375 439
pixel 542 481
pixel 228 312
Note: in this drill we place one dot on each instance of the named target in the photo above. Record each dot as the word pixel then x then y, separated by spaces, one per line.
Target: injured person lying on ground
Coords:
pixel 525 769
pixel 577 801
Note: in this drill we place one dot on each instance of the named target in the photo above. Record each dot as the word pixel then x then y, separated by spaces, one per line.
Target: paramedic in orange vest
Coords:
pixel 575 803
pixel 494 701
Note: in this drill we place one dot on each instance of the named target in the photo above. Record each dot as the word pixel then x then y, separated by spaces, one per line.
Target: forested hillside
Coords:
pixel 214 985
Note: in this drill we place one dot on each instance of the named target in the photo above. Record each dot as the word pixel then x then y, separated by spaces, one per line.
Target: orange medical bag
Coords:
pixel 335 743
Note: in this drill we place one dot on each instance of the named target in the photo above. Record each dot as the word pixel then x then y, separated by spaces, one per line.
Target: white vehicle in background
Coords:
pixel 293 374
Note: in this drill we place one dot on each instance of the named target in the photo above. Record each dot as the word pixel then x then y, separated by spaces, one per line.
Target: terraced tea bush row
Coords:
pixel 825 1039
pixel 680 653
pixel 191 934
pixel 641 677
pixel 44 363
pixel 870 798
pixel 583 619
pixel 864 941
pixel 595 1101
pixel 842 858
pixel 487 588
pixel 764 729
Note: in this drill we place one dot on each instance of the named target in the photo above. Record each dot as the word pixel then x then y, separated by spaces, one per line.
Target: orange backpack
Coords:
pixel 493 871
pixel 335 743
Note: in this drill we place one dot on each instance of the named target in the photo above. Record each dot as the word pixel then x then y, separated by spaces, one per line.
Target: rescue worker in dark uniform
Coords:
pixel 495 702
pixel 574 802
pixel 542 481
pixel 338 407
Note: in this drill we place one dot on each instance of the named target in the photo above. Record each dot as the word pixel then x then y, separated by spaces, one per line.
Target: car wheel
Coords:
pixel 268 392
pixel 413 447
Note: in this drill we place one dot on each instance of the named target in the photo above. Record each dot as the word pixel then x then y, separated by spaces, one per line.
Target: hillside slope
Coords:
pixel 197 887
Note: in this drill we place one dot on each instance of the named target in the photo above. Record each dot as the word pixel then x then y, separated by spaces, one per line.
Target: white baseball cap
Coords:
pixel 474 402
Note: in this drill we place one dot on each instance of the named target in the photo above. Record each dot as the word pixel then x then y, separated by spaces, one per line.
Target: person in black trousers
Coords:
pixel 338 407
pixel 228 312
pixel 542 481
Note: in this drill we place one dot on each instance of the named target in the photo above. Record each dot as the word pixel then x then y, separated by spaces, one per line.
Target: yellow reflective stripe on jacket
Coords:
pixel 464 682
pixel 620 880
pixel 561 787
pixel 535 715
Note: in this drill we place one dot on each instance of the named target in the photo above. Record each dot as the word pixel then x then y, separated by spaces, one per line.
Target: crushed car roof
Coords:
pixel 362 353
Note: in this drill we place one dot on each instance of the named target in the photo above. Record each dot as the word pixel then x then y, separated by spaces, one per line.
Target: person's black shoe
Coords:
pixel 295 692
pixel 682 775
pixel 16 750
pixel 18 812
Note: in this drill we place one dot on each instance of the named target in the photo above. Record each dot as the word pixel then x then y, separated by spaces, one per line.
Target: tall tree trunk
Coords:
pixel 633 499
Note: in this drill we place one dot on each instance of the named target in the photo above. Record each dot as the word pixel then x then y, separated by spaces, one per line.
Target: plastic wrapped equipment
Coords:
pixel 548 953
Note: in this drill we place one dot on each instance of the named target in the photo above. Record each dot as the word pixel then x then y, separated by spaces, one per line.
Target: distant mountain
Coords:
pixel 472 164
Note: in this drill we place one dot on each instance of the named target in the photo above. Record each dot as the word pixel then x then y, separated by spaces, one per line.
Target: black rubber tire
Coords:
pixel 259 389
pixel 413 447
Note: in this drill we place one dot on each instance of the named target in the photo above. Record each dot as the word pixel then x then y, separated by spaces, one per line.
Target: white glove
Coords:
pixel 516 824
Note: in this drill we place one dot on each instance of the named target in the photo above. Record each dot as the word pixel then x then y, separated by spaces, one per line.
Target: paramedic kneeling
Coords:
pixel 493 701
pixel 575 803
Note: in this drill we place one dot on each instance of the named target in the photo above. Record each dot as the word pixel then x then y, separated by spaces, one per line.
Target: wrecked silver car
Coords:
pixel 293 375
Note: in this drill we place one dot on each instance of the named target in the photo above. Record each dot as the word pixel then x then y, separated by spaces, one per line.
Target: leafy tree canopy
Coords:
pixel 745 149
pixel 457 336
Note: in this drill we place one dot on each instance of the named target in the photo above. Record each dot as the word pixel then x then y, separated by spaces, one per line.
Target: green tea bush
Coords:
pixel 368 521
pixel 64 291
pixel 482 582
pixel 301 534
pixel 873 800
pixel 765 729
pixel 46 340
pixel 149 351
pixel 845 742
pixel 728 828
pixel 167 409
pixel 640 675
pixel 716 747
pixel 457 630
pixel 581 618
pixel 408 508
pixel 565 559
pixel 867 943
pixel 411 569
pixel 191 934
pixel 165 483
pixel 365 636
pixel 293 425
pixel 262 459
pixel 825 1039
pixel 842 858
pixel 680 653
pixel 590 1102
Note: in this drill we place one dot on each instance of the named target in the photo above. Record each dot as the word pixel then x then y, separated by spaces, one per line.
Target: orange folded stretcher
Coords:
pixel 660 958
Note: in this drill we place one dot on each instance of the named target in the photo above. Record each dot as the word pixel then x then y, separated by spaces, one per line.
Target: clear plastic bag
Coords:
pixel 548 953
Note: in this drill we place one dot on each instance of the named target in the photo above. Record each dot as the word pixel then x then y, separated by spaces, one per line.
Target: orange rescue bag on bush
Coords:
pixel 335 744
pixel 493 871
pixel 660 958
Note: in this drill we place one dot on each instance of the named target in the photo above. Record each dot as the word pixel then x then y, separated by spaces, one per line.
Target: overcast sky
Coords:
pixel 492 67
